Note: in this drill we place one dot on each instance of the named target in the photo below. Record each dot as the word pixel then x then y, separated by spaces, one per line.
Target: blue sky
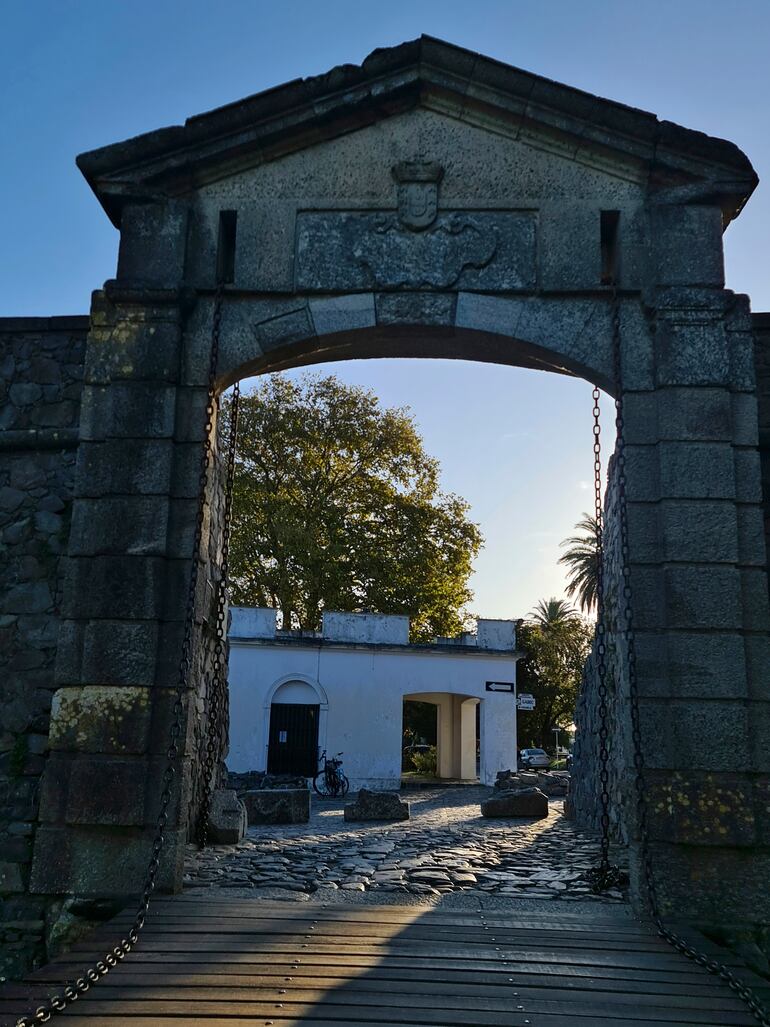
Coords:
pixel 77 75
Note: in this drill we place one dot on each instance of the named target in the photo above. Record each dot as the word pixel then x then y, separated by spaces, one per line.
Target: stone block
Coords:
pixel 134 525
pixel 11 879
pixel 120 652
pixel 416 308
pixel 525 802
pixel 708 666
pixel 751 535
pixel 696 808
pixel 745 419
pixel 642 474
pixel 93 791
pixel 153 242
pixel 140 410
pixel 640 413
pixel 349 313
pixel 689 245
pixel 757 649
pixel 115 587
pixel 100 719
pixel 124 468
pixel 277 805
pixel 643 531
pixel 102 861
pixel 709 884
pixel 285 329
pixel 711 735
pixel 695 415
pixel 369 805
pixel 755 602
pixel 227 818
pixel 133 349
pixel 703 596
pixel 699 531
pixel 748 476
pixel 696 470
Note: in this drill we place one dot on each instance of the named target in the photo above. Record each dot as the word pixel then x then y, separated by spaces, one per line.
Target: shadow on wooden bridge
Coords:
pixel 233 963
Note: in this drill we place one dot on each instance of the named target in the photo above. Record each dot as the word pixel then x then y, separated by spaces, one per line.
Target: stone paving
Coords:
pixel 446 847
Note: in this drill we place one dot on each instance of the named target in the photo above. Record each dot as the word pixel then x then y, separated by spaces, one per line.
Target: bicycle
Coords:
pixel 330 782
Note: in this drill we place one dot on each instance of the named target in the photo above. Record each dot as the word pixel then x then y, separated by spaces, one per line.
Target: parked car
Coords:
pixel 530 759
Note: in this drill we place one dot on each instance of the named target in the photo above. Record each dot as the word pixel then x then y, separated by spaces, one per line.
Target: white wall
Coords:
pixel 360 691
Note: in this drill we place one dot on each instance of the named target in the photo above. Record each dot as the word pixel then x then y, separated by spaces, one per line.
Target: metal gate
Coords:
pixel 293 742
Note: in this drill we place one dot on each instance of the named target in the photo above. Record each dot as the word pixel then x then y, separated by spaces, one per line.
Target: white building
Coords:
pixel 343 690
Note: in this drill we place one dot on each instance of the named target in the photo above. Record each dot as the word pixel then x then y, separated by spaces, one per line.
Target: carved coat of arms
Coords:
pixel 417 192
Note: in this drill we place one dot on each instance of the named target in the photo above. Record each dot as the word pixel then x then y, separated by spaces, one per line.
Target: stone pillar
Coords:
pixel 698 571
pixel 128 567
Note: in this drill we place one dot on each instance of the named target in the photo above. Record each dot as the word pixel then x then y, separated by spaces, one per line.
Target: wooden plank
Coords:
pixel 223 1000
pixel 376 981
pixel 159 963
pixel 96 1010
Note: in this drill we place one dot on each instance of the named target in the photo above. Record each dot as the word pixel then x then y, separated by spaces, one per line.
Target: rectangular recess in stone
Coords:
pixel 609 226
pixel 226 242
pixel 338 251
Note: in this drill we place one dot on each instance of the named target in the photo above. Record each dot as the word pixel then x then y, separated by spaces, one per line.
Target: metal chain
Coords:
pixel 605 875
pixel 713 966
pixel 219 674
pixel 71 992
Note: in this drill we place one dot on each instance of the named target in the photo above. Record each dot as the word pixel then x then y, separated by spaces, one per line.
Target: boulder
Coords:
pixel 556 784
pixel 277 805
pixel 227 818
pixel 377 806
pixel 525 802
pixel 510 780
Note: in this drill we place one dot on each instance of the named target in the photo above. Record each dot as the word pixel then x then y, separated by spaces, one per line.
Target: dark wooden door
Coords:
pixel 293 742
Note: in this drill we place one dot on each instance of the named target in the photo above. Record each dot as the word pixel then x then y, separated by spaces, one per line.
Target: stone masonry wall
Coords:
pixel 41 371
pixel 761 323
pixel 585 786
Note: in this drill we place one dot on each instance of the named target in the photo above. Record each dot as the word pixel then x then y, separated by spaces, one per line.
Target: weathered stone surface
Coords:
pixel 524 802
pixel 92 718
pixel 370 805
pixel 277 805
pixel 227 818
pixel 348 252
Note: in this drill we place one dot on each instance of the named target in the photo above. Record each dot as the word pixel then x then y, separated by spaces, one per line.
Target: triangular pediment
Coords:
pixel 430 73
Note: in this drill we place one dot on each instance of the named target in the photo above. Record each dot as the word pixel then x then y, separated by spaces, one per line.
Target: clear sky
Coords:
pixel 77 74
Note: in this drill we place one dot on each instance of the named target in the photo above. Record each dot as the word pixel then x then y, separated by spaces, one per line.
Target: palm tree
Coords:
pixel 553 612
pixel 582 559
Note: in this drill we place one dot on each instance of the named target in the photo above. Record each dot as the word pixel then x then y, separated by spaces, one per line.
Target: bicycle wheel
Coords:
pixel 321 784
pixel 345 784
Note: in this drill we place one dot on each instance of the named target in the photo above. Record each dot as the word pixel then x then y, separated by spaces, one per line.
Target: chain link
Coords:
pixel 713 966
pixel 605 875
pixel 71 991
pixel 218 680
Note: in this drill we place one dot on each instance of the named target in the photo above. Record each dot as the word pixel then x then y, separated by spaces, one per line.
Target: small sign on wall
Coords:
pixel 500 686
pixel 283 736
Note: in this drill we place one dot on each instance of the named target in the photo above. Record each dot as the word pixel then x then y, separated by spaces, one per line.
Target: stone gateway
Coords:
pixel 429 203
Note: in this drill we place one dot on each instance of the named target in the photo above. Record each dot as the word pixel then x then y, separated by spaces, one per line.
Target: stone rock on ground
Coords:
pixel 525 802
pixel 227 818
pixel 377 806
pixel 548 782
pixel 277 805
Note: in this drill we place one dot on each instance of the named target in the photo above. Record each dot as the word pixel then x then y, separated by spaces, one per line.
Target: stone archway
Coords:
pixel 431 203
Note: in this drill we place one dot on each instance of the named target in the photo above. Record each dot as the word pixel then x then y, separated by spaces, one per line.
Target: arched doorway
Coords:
pixel 292 737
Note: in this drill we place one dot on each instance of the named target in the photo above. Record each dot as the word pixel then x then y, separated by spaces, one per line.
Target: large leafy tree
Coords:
pixel 337 505
pixel 556 648
pixel 582 561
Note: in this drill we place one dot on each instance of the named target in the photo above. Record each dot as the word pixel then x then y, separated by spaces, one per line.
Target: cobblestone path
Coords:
pixel 446 847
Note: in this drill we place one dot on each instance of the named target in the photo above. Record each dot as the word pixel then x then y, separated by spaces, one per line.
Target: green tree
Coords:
pixel 552 670
pixel 550 612
pixel 337 505
pixel 582 562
